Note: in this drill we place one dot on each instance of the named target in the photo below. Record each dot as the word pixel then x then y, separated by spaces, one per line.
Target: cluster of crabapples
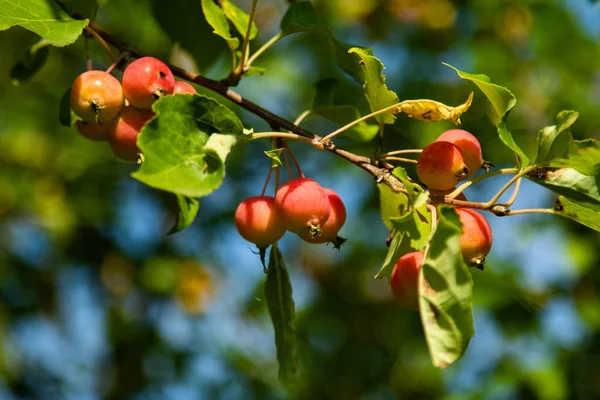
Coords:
pixel 454 156
pixel 300 206
pixel 116 111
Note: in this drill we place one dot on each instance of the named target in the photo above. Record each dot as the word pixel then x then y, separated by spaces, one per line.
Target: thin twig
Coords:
pixel 102 42
pixel 479 178
pixel 408 160
pixel 294 160
pixel 264 48
pixel 358 121
pixel 508 184
pixel 514 194
pixel 302 116
pixel 531 211
pixel 398 152
pixel 246 44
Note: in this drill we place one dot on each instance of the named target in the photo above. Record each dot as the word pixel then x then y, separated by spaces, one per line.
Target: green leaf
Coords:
pixel 445 293
pixel 416 194
pixel 554 141
pixel 188 209
pixel 30 63
pixel 569 182
pixel 254 71
pixel 274 155
pixel 302 17
pixel 396 250
pixel 341 114
pixel 280 303
pixel 182 152
pixel 216 18
pixel 376 91
pixel 500 102
pixel 43 17
pixel 583 156
pixel 586 215
pixel 417 226
pixel 238 18
pixel 392 204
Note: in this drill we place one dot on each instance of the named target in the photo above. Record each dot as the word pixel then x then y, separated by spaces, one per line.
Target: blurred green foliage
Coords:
pixel 96 301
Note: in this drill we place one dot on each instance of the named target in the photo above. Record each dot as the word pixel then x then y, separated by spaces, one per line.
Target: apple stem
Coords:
pixel 301 117
pixel 465 185
pixel 408 160
pixel 289 149
pixel 398 152
pixel 513 197
pixel 287 165
pixel 267 181
pixel 508 184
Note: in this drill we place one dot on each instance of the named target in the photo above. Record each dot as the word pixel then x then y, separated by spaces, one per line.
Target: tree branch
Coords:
pixel 219 87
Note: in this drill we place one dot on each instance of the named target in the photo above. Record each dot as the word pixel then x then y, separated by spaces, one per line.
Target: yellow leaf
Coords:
pixel 433 111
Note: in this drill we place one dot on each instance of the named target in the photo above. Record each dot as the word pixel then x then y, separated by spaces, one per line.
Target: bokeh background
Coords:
pixel 96 301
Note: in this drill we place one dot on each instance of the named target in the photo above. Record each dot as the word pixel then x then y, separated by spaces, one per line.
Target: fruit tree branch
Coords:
pixel 219 87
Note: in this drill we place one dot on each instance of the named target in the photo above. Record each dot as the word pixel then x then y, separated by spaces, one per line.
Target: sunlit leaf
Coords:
pixel 186 213
pixel 43 17
pixel 588 215
pixel 376 91
pixel 30 63
pixel 417 195
pixel 569 182
pixel 583 156
pixel 275 156
pixel 433 111
pixel 215 16
pixel 238 18
pixel 500 102
pixel 445 293
pixel 278 293
pixel 554 141
pixel 186 144
pixel 392 204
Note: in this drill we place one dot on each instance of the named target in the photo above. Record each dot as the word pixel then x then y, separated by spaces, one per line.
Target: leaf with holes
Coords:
pixel 588 215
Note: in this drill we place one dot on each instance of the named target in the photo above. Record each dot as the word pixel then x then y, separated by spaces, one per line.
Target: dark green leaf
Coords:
pixel 188 209
pixel 588 215
pixel 238 18
pixel 569 182
pixel 30 63
pixel 216 18
pixel 302 17
pixel 274 155
pixel 278 293
pixel 182 152
pixel 341 114
pixel 396 250
pixel 500 102
pixel 43 17
pixel 65 116
pixel 445 294
pixel 554 141
pixel 376 91
pixel 392 204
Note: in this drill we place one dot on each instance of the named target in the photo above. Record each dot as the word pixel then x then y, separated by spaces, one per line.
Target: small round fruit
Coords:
pixel 405 279
pixel 96 96
pixel 258 221
pixel 304 206
pixel 124 130
pixel 183 87
pixel 335 222
pixel 476 239
pixel 92 130
pixel 468 144
pixel 441 166
pixel 145 80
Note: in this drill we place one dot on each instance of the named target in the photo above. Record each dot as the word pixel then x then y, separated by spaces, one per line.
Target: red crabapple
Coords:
pixel 405 279
pixel 476 239
pixel 124 130
pixel 183 87
pixel 441 166
pixel 304 206
pixel 145 80
pixel 468 144
pixel 96 96
pixel 335 222
pixel 92 130
pixel 258 221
